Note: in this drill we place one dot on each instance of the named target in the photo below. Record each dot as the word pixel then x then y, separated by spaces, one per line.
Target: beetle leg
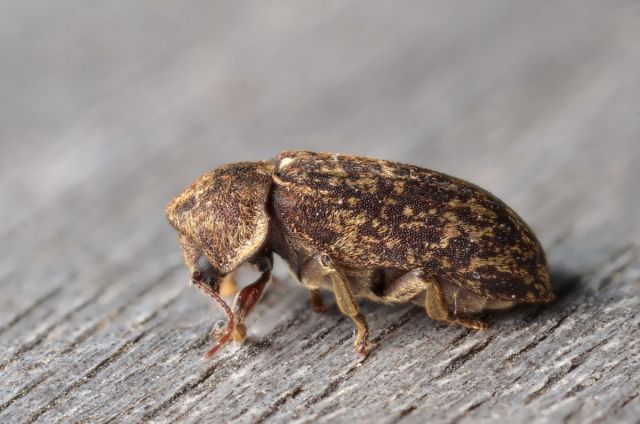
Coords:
pixel 316 301
pixel 347 304
pixel 248 297
pixel 437 308
pixel 405 288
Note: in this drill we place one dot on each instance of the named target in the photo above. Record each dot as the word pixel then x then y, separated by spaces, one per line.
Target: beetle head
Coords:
pixel 222 218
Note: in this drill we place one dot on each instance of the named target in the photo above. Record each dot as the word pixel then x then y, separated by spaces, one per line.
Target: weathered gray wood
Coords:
pixel 109 109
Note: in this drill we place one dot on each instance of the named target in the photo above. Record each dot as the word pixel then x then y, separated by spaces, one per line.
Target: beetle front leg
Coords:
pixel 249 296
pixel 347 304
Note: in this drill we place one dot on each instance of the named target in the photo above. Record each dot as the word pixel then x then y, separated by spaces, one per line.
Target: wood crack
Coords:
pixel 555 378
pixel 537 341
pixel 24 391
pixel 39 338
pixel 629 400
pixel 459 360
pixel 90 331
pixel 475 405
pixel 397 324
pixel 453 365
pixel 184 389
pixel 85 335
pixel 455 342
pixel 384 333
pixel 404 413
pixel 92 373
pixel 335 383
pixel 323 334
pixel 617 263
pixel 606 417
pixel 275 407
pixel 25 313
pixel 224 367
pixel 197 345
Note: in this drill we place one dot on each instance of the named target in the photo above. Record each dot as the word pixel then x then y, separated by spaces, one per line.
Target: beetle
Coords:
pixel 360 228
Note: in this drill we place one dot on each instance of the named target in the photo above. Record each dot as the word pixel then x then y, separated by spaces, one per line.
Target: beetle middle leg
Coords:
pixel 345 301
pixel 405 288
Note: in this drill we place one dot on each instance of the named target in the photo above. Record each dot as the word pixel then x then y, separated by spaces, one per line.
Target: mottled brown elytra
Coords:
pixel 358 227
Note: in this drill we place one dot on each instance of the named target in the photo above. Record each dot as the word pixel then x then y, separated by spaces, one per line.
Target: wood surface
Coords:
pixel 109 109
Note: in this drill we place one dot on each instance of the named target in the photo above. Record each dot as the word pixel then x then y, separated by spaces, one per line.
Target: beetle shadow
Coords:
pixel 566 283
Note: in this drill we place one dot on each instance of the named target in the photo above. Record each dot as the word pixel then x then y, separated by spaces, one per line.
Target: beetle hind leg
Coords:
pixel 417 287
pixel 436 308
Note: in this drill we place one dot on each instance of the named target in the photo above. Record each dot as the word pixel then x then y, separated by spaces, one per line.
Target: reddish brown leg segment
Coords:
pixel 245 301
pixel 316 301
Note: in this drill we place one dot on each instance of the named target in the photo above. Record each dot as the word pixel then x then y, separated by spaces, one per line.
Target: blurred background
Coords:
pixel 121 104
pixel 109 109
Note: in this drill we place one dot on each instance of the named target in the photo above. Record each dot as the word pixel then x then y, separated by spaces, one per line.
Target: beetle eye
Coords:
pixel 203 263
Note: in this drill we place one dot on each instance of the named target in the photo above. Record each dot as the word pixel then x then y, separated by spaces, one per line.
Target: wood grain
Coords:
pixel 108 110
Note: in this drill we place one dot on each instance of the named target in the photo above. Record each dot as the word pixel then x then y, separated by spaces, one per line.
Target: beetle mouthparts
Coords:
pixel 206 279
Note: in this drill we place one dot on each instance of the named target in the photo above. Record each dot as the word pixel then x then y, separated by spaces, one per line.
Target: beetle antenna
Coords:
pixel 230 325
pixel 227 311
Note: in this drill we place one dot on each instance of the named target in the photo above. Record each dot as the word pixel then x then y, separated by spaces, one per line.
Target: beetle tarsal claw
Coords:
pixel 218 329
pixel 472 323
pixel 223 337
pixel 362 346
pixel 235 331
